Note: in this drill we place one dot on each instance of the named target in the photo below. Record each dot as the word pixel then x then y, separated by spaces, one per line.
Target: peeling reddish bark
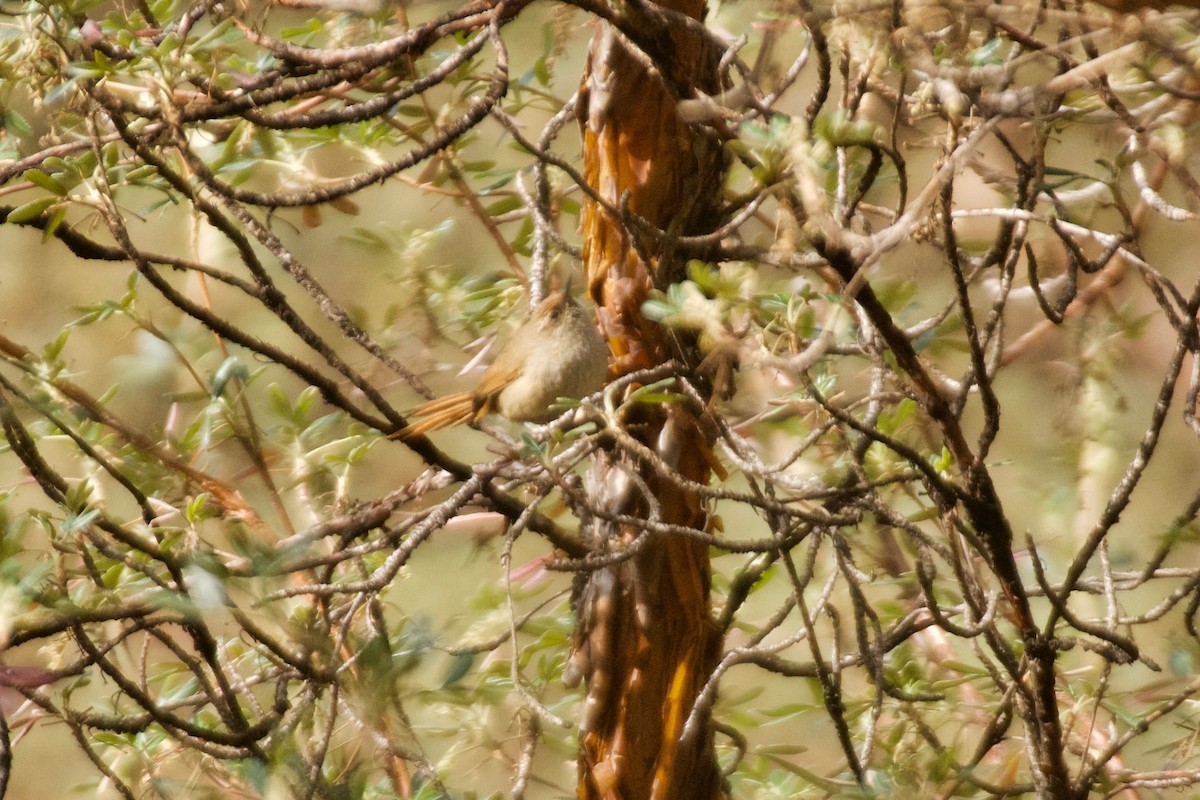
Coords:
pixel 645 632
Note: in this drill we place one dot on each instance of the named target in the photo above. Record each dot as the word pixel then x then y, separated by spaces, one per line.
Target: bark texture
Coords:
pixel 645 640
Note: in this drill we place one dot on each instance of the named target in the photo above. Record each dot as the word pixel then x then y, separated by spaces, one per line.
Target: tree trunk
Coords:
pixel 645 639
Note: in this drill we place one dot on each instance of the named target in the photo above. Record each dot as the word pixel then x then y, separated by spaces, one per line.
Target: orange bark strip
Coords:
pixel 646 623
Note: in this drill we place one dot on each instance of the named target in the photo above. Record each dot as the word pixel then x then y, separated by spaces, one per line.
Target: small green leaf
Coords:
pixel 16 123
pixel 31 210
pixel 230 369
pixel 47 182
pixel 80 521
pixel 657 397
pixel 304 403
pixel 504 206
pixel 54 349
pixel 478 166
pixel 56 220
pixel 278 402
pixel 196 508
pixel 144 171
pixel 541 71
pixel 459 667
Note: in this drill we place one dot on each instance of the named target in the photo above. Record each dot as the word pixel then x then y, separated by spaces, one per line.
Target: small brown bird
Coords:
pixel 557 353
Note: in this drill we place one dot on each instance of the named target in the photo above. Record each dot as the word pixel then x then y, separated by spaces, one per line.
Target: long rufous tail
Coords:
pixel 443 412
